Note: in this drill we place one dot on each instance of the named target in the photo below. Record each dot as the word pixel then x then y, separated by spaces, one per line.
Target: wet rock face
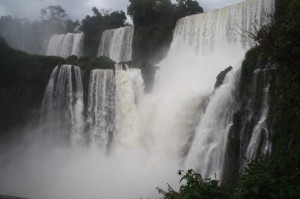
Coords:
pixel 221 76
pixel 250 134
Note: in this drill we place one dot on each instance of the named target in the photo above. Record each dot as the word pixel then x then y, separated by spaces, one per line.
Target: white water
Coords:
pixel 126 107
pixel 101 104
pixel 65 45
pixel 202 46
pixel 153 132
pixel 261 128
pixel 62 105
pixel 117 44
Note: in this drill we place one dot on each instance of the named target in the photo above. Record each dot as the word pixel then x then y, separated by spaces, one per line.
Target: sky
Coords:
pixel 78 9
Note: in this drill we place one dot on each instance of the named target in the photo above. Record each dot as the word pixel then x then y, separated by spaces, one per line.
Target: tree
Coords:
pixel 53 12
pixel 33 37
pixel 143 12
pixel 94 25
pixel 195 187
pixel 154 21
pixel 188 7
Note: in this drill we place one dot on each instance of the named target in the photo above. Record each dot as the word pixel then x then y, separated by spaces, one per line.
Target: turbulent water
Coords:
pixel 117 44
pixel 183 123
pixel 65 45
pixel 202 46
pixel 101 102
pixel 62 106
pixel 112 106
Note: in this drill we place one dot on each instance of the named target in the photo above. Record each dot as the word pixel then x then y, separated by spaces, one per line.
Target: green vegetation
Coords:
pixel 33 37
pixel 154 21
pixel 23 79
pixel 196 187
pixel 87 64
pixel 276 176
pixel 279 43
pixel 93 26
pixel 286 101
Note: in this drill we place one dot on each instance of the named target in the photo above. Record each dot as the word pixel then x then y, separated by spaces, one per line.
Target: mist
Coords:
pixel 127 148
pixel 37 169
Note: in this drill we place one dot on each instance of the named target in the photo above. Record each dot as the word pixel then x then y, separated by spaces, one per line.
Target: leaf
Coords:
pixel 255 189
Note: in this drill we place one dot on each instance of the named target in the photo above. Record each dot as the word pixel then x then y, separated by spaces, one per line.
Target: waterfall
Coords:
pixel 137 81
pixel 112 106
pixel 260 138
pixel 65 45
pixel 183 123
pixel 222 28
pixel 77 44
pixel 207 151
pixel 101 102
pixel 184 119
pixel 202 46
pixel 117 44
pixel 126 108
pixel 63 103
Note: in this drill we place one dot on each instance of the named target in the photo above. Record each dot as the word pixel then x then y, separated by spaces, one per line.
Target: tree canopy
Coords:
pixel 154 21
pixel 33 37
pixel 94 25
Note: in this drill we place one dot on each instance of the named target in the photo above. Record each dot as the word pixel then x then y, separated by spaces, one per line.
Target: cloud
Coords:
pixel 214 4
pixel 78 9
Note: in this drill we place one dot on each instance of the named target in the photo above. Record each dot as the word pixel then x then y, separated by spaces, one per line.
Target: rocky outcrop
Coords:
pixel 221 77
pixel 250 135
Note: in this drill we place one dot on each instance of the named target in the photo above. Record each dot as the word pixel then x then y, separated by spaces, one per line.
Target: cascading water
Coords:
pixel 117 44
pixel 101 104
pixel 137 81
pixel 65 45
pixel 63 103
pixel 112 106
pixel 182 123
pixel 202 46
pixel 77 44
pixel 126 109
pixel 260 131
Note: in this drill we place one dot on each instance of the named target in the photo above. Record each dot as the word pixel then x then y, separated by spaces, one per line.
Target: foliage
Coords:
pixel 278 177
pixel 23 79
pixel 33 37
pixel 154 21
pixel 88 64
pixel 73 60
pixel 195 187
pixel 284 49
pixel 53 12
pixel 188 7
pixel 275 178
pixel 93 26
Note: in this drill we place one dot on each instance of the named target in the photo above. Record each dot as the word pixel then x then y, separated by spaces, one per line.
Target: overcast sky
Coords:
pixel 78 9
